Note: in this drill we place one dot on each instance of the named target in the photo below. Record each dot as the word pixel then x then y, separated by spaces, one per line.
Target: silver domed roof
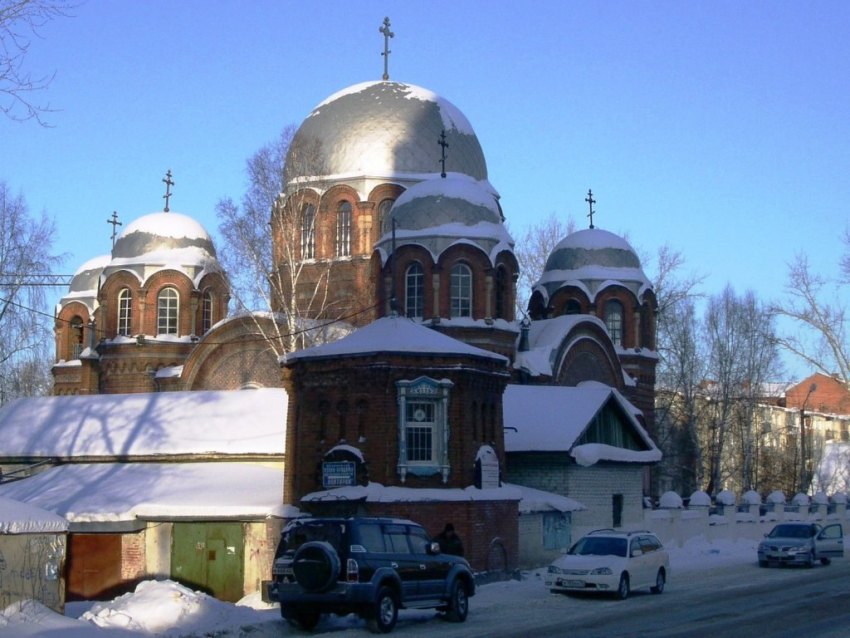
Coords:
pixel 593 259
pixel 160 232
pixel 383 129
pixel 441 212
pixel 87 276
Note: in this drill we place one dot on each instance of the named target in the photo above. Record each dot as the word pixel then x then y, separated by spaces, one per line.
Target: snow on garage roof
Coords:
pixel 162 423
pixel 112 492
pixel 20 518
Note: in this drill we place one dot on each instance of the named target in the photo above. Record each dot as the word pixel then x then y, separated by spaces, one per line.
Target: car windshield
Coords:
pixel 600 546
pixel 299 533
pixel 791 531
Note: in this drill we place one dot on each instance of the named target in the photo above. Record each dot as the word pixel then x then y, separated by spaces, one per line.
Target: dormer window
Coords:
pixel 461 291
pixel 167 307
pixel 125 312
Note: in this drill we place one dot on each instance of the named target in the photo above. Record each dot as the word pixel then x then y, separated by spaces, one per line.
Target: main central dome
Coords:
pixel 383 130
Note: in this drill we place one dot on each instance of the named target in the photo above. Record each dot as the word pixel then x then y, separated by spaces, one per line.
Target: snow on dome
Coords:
pixel 441 201
pixel 776 496
pixel 595 258
pixel 800 499
pixel 159 232
pixel 383 129
pixel 751 498
pixel 85 279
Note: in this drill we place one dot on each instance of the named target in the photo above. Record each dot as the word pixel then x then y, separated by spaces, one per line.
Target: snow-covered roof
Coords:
pixel 378 493
pixel 546 338
pixel 20 518
pixel 102 492
pixel 394 335
pixel 162 423
pixel 552 418
pixel 534 500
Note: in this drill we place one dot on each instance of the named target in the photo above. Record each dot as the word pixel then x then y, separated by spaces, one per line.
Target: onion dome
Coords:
pixel 593 259
pixel 438 213
pixel 383 130
pixel 164 241
pixel 84 283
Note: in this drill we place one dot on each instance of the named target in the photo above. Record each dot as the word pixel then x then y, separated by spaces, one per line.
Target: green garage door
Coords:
pixel 208 557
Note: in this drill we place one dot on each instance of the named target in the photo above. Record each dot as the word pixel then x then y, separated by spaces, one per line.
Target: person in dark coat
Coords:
pixel 449 541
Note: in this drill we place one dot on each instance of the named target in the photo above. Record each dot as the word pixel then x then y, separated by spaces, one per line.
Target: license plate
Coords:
pixel 571 583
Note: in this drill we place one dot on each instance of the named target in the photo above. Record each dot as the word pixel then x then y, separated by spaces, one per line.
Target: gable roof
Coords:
pixel 145 424
pixel 553 419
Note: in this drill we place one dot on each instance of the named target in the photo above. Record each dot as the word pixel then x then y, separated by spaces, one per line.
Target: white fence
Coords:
pixel 675 525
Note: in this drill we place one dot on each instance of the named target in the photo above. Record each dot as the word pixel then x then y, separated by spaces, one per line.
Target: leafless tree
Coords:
pixel 20 21
pixel 814 304
pixel 267 278
pixel 533 249
pixel 25 334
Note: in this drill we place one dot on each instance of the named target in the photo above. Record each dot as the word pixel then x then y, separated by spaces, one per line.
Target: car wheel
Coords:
pixel 305 620
pixel 382 617
pixel 458 602
pixel 824 561
pixel 623 588
pixel 315 566
pixel 659 583
pixel 763 563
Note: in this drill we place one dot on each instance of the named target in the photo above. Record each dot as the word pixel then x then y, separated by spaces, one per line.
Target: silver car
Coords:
pixel 801 544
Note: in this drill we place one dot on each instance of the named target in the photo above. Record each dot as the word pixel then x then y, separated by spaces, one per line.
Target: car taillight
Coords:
pixel 352 571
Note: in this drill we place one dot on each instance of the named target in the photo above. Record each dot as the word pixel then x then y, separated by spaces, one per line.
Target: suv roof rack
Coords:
pixel 611 530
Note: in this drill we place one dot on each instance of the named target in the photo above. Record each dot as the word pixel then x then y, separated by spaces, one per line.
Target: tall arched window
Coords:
pixel 206 312
pixel 343 230
pixel 573 307
pixel 461 291
pixel 167 307
pixel 75 338
pixel 384 215
pixel 125 312
pixel 308 232
pixel 501 293
pixel 414 292
pixel 614 321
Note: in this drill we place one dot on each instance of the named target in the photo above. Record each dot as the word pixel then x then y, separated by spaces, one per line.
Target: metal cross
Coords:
pixel 387 35
pixel 590 202
pixel 444 144
pixel 115 223
pixel 168 185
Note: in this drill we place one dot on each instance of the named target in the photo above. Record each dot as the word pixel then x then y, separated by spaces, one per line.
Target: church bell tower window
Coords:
pixel 167 306
pixel 343 230
pixel 125 312
pixel 308 232
pixel 614 321
pixel 461 291
pixel 414 288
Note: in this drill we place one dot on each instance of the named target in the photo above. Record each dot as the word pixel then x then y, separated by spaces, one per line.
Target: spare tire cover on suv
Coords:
pixel 316 566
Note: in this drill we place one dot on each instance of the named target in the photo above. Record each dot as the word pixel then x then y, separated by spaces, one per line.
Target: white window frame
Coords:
pixel 343 229
pixel 460 288
pixel 414 304
pixel 614 318
pixel 168 311
pixel 414 418
pixel 308 232
pixel 125 312
pixel 206 311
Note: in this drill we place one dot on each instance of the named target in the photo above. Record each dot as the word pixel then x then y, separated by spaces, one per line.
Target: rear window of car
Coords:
pixel 299 533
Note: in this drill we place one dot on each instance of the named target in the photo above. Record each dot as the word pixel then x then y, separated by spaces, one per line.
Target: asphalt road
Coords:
pixel 738 601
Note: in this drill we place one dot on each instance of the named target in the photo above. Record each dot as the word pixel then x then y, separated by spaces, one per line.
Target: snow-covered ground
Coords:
pixel 166 608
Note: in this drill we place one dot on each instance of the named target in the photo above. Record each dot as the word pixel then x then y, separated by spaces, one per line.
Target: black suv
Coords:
pixel 368 566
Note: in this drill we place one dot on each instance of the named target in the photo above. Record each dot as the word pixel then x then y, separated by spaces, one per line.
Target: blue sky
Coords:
pixel 720 128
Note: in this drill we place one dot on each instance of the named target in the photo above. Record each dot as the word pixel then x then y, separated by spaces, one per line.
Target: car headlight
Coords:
pixel 798 549
pixel 554 570
pixel 601 571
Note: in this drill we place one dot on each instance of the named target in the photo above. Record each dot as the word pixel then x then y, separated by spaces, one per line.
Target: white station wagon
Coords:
pixel 610 561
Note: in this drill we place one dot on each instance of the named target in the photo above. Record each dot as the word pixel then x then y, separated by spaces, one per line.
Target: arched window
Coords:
pixel 461 291
pixel 167 307
pixel 414 292
pixel 501 293
pixel 384 215
pixel 573 307
pixel 206 312
pixel 614 321
pixel 343 230
pixel 125 312
pixel 75 338
pixel 308 232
